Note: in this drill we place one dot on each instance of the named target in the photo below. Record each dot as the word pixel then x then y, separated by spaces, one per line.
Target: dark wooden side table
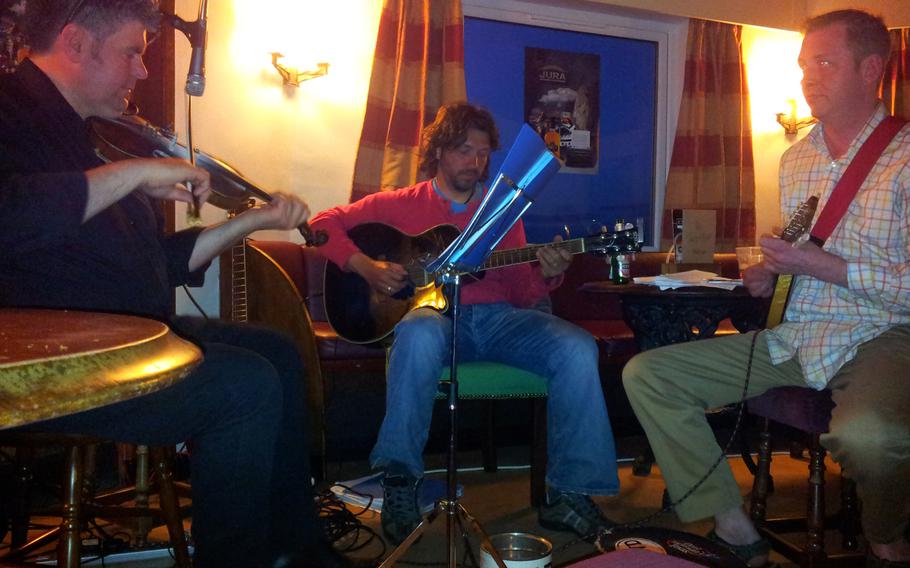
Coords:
pixel 664 317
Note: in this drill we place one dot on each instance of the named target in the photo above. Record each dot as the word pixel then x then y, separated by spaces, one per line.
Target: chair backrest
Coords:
pixel 304 266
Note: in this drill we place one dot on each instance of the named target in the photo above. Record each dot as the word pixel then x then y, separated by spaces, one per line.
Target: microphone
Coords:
pixel 195 77
pixel 196 33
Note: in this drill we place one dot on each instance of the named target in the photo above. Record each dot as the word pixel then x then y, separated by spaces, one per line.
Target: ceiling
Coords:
pixel 783 14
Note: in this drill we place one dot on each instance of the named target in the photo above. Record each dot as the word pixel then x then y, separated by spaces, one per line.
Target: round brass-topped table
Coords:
pixel 59 362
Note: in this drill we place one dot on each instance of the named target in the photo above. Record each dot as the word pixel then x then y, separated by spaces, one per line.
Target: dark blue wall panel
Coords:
pixel 624 184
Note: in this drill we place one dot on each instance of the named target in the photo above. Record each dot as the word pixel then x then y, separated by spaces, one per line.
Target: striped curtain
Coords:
pixel 896 85
pixel 711 166
pixel 418 66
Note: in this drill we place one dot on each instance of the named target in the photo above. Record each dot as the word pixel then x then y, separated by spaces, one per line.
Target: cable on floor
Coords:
pixel 343 527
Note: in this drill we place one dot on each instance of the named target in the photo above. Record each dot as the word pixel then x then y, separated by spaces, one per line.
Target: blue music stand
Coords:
pixel 505 202
pixel 532 165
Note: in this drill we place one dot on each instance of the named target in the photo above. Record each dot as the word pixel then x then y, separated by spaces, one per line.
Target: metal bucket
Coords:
pixel 518 550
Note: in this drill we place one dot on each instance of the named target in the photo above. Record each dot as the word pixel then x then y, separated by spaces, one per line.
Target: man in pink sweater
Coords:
pixel 503 318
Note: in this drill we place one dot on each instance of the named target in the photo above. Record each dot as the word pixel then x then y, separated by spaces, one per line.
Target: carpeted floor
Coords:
pixel 500 503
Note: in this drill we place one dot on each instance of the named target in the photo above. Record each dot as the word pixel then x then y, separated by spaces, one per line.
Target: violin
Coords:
pixel 130 136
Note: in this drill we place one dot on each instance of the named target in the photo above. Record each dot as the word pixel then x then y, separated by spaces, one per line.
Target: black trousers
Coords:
pixel 243 413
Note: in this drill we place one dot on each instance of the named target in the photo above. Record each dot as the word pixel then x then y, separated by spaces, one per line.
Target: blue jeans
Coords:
pixel 242 410
pixel 581 453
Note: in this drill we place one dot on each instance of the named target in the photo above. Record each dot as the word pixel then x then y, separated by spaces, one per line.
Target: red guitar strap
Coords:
pixel 853 177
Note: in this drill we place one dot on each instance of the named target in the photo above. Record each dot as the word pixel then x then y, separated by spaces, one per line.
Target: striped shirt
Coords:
pixel 825 323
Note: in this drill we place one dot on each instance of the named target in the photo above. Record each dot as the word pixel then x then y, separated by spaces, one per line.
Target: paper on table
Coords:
pixel 689 278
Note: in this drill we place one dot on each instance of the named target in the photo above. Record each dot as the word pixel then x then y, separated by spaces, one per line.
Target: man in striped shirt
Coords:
pixel 846 328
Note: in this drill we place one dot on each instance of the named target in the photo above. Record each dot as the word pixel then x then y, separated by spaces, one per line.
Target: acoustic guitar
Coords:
pixel 799 224
pixel 256 289
pixel 360 314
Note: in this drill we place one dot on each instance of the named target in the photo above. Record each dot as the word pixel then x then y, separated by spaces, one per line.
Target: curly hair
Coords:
pixel 866 33
pixel 45 19
pixel 450 130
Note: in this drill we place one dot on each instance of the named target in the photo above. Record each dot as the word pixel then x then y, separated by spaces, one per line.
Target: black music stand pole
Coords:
pixel 456 514
pixel 500 209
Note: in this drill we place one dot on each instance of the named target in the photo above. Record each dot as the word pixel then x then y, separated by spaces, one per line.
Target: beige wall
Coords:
pixel 289 139
pixel 773 77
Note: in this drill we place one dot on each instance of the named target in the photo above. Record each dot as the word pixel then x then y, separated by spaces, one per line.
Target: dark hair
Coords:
pixel 866 33
pixel 450 130
pixel 45 19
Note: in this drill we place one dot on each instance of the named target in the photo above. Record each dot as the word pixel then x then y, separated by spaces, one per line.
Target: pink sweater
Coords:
pixel 415 209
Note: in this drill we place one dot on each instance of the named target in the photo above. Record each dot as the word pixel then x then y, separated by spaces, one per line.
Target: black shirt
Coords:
pixel 118 261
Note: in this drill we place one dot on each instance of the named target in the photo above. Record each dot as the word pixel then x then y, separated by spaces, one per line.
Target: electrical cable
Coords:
pixel 186 291
pixel 722 457
pixel 342 526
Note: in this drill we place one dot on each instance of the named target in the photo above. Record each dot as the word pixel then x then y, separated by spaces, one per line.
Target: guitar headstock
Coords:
pixel 615 242
pixel 801 220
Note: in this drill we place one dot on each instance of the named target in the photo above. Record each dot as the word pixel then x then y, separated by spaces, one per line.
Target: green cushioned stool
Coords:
pixel 485 380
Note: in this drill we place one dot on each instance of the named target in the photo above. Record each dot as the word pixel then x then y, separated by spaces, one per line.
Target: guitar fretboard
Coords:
pixel 238 282
pixel 522 255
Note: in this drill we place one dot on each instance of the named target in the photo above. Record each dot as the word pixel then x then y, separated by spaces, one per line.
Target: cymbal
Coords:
pixel 59 362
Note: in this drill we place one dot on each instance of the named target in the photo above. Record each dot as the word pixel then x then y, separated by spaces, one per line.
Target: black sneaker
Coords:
pixel 573 512
pixel 400 514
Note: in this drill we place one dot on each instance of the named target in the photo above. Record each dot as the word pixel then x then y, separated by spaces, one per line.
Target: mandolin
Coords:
pixel 360 314
pixel 799 225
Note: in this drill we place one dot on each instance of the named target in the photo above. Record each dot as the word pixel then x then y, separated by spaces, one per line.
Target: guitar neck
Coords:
pixel 238 282
pixel 779 300
pixel 797 226
pixel 527 254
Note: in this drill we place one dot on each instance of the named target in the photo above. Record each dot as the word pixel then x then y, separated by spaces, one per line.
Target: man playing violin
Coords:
pixel 847 324
pixel 502 321
pixel 78 233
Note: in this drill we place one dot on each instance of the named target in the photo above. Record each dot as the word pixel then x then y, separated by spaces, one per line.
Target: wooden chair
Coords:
pixel 809 412
pixel 79 500
pixel 490 382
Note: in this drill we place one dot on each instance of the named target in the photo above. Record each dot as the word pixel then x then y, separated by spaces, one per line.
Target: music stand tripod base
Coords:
pixel 455 514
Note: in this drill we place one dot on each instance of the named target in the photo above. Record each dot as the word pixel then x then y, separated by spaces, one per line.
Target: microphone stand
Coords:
pixel 195 33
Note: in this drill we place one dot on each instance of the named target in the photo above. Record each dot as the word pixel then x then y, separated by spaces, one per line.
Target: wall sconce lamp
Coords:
pixel 293 76
pixel 790 122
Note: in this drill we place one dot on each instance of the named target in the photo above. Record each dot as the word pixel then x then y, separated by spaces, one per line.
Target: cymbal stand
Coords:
pixel 455 512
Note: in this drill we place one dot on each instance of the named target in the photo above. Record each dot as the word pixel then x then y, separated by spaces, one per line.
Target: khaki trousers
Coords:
pixel 671 387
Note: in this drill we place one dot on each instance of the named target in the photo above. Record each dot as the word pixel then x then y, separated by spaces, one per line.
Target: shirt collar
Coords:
pixel 454 205
pixel 817 135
